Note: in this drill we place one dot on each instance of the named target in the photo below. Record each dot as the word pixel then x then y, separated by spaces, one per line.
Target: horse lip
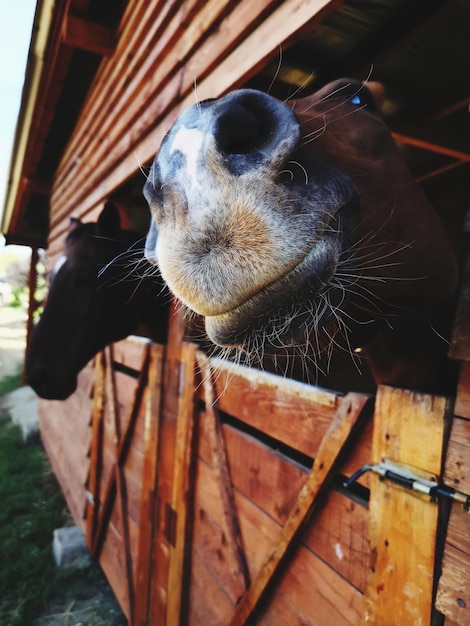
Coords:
pixel 240 319
pixel 315 271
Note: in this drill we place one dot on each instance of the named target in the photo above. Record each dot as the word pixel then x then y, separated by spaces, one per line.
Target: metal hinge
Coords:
pixel 406 477
pixel 90 497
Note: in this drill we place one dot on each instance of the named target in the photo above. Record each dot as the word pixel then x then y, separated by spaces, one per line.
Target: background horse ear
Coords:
pixel 74 223
pixel 109 221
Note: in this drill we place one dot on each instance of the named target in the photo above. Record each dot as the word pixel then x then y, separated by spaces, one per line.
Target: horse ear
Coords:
pixel 74 223
pixel 378 93
pixel 109 221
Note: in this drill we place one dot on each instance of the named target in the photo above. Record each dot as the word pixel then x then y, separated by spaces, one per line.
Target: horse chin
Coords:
pixel 286 313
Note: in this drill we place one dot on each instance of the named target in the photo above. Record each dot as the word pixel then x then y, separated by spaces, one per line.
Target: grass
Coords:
pixel 32 506
pixel 33 591
pixel 9 383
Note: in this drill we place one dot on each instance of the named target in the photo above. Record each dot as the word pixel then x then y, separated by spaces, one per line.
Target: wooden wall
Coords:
pixel 169 54
pixel 213 495
pixel 211 513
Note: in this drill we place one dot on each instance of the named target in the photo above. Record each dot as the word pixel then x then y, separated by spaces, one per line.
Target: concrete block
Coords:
pixel 22 406
pixel 69 548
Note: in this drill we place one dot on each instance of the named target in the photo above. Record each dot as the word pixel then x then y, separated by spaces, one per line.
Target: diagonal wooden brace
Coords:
pixel 341 430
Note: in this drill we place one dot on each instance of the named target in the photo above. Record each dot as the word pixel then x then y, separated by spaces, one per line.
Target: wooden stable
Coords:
pixel 212 495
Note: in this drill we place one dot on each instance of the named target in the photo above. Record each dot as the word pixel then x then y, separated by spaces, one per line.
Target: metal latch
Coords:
pixel 405 477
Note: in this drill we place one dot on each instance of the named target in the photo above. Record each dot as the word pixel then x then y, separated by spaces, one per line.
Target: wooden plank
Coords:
pixel 119 163
pixel 280 612
pixel 134 499
pixel 272 482
pixel 70 464
pixel 209 544
pixel 457 466
pixel 258 530
pixel 79 33
pixel 220 42
pixel 170 400
pixel 133 464
pixel 149 482
pixel 122 437
pixel 458 530
pixel 74 459
pixel 218 609
pixel 262 474
pixel 71 487
pixel 291 19
pixel 453 595
pixel 462 401
pixel 130 351
pixel 318 592
pixel 116 485
pixel 408 429
pixel 339 536
pixel 237 561
pixel 269 403
pixel 134 32
pixel 324 597
pixel 113 571
pixel 311 591
pixel 341 429
pixel 157 62
pixel 183 489
pixel 460 341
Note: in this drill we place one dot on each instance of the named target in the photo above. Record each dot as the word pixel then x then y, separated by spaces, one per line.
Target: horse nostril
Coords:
pixel 237 130
pixel 252 129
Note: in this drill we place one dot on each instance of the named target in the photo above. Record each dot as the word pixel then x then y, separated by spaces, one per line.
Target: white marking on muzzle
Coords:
pixel 189 142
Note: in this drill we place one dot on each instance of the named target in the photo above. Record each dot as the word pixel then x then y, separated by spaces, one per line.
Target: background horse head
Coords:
pixel 93 300
pixel 298 227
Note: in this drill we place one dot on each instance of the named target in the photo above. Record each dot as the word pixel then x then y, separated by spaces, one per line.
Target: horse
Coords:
pixel 93 300
pixel 297 228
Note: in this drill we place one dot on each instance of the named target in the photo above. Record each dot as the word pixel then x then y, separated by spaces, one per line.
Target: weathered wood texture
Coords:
pixel 273 504
pixel 206 509
pixel 408 431
pixel 206 516
pixel 163 48
pixel 453 595
pixel 66 435
pixel 103 455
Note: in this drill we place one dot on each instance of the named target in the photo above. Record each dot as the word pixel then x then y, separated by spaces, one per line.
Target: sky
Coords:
pixel 16 21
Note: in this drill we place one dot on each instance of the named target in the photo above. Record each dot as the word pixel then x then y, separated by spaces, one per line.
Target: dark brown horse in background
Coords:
pixel 296 228
pixel 93 300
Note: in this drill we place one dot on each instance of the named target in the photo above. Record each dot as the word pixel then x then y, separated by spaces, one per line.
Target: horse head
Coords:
pixel 298 227
pixel 92 301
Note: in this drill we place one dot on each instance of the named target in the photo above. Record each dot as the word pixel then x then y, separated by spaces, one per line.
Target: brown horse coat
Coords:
pixel 297 227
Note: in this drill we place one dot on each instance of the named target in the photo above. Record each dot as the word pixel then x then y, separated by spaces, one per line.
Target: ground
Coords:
pixel 87 599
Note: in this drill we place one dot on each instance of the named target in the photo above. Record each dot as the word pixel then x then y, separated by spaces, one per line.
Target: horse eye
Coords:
pixel 363 99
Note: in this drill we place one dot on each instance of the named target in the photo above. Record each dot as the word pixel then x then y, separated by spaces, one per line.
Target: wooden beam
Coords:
pixel 94 478
pixel 460 341
pixel 420 138
pixel 408 430
pixel 439 171
pixel 79 33
pixel 149 482
pixel 237 561
pixel 183 489
pixel 36 185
